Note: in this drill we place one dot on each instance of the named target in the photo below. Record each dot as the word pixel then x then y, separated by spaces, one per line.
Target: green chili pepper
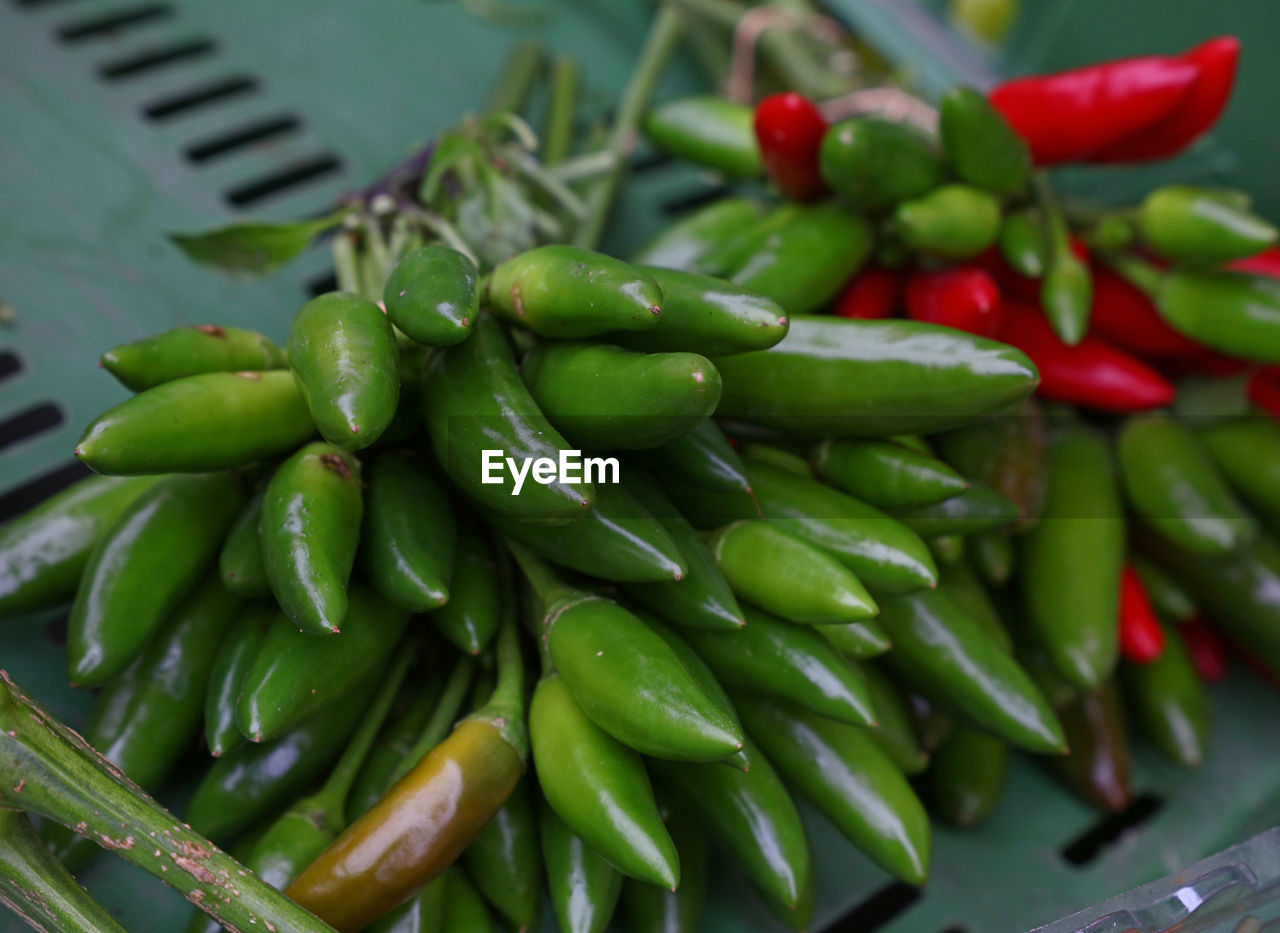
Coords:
pixel 878 163
pixel 789 661
pixel 231 664
pixel 1175 488
pixel 206 422
pixel 992 557
pixel 966 777
pixel 967 591
pixel 1071 560
pixel 1097 767
pixel 707 130
pixel 1170 702
pixel 701 314
pixel 310 528
pixel 872 378
pixel 981 147
pixel 702 597
pixel 1007 452
pixel 598 787
pixel 568 292
pixel 784 575
pixel 950 222
pixel 1066 290
pixel 1022 242
pixel 689 242
pixel 36 886
pixel 176 525
pixel 432 295
pixel 240 562
pixel 606 398
pixel 945 653
pixel 189 351
pixel 1247 451
pixel 778 457
pixel 1201 227
pixel 846 774
pixel 886 474
pixel 648 908
pixel 504 862
pixel 894 730
pixel 584 887
pixel 475 400
pixel 1168 596
pixel 618 539
pixel 343 355
pixel 932 725
pixel 409 536
pixel 260 778
pixel 430 816
pixel 422 913
pixel 464 909
pixel 865 639
pixel 702 457
pixel 977 510
pixel 752 817
pixel 295 674
pixel 470 618
pixel 43 552
pixel 800 255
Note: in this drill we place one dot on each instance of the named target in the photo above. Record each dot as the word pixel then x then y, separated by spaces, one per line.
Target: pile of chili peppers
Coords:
pixel 920 465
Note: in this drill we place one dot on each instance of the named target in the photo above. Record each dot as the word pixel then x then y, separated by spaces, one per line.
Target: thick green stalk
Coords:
pixel 48 769
pixel 658 46
pixel 558 134
pixel 515 82
pixel 505 709
pixel 36 887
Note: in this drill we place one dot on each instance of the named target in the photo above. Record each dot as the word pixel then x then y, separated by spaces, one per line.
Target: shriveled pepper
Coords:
pixel 964 297
pixel 789 130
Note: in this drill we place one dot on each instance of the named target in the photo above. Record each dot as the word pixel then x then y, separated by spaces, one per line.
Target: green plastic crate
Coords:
pixel 125 119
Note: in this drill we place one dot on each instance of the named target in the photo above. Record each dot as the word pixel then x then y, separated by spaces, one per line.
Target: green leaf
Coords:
pixel 253 248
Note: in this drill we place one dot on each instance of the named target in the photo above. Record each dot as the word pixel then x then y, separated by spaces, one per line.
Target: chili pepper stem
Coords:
pixel 345 265
pixel 585 167
pixel 505 707
pixel 1137 272
pixel 50 770
pixel 557 134
pixel 658 47
pixel 556 189
pixel 517 77
pixel 442 717
pixel 547 587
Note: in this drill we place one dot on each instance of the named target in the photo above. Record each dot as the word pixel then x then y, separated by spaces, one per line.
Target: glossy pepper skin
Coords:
pixel 504 860
pixel 703 457
pixel 800 256
pixel 343 356
pixel 408 537
pixel 310 530
pixel 1097 768
pixel 422 913
pixel 872 378
pixel 1170 702
pixel 687 243
pixel 964 297
pixel 783 575
pixel 1022 243
pixel 1071 560
pixel 707 130
pixel 953 222
pixel 1142 638
pixel 785 660
pixel 295 674
pixel 240 562
pixel 1234 312
pixel 474 399
pixel 885 473
pixel 754 819
pixel 470 618
pixel 944 652
pixel 1175 488
pixel 789 130
pixel 569 293
pixel 706 315
pixel 894 730
pixel 1008 453
pixel 977 510
pixel 584 887
pixel 1123 315
pixel 603 397
pixel 1200 226
pixel 878 163
pixel 43 552
pixel 178 523
pixel 870 295
pixel 857 639
pixel 966 777
pixel 980 146
pixel 433 296
pixel 599 787
pixel 648 908
pixel 1246 451
pixel 1092 374
pixel 206 422
pixel 230 665
pixel 188 351
pixel 846 774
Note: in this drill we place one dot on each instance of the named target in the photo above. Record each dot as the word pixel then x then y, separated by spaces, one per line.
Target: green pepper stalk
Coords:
pixel 557 134
pixel 516 80
pixel 36 886
pixel 422 825
pixel 48 769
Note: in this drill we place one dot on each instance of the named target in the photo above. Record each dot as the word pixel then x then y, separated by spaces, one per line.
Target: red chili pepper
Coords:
pixel 964 297
pixel 1073 115
pixel 1216 61
pixel 1093 374
pixel 1208 653
pixel 1013 285
pixel 1124 315
pixel 1204 362
pixel 1141 635
pixel 789 129
pixel 1264 390
pixel 1266 262
pixel 871 294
